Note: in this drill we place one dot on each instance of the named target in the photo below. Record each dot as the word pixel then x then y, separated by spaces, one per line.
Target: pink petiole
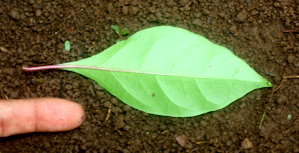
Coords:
pixel 47 67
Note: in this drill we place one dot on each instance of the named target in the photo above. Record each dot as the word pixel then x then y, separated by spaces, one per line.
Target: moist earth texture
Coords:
pixel 33 33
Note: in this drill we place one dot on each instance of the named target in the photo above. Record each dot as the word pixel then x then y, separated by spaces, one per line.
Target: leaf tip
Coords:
pixel 269 84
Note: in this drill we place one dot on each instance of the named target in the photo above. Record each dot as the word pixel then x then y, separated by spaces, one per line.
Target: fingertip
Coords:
pixel 54 115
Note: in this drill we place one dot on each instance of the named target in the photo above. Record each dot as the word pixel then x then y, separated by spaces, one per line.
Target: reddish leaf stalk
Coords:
pixel 47 67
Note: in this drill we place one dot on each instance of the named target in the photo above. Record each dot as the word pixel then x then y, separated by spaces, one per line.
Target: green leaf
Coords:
pixel 67 45
pixel 126 31
pixel 116 28
pixel 170 71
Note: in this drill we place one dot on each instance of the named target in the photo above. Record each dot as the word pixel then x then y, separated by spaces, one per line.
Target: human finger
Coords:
pixel 39 115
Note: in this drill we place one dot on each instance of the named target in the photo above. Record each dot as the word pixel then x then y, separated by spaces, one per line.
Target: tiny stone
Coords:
pixel 113 101
pixel 163 127
pixel 38 13
pixel 282 99
pixel 196 22
pixel 31 1
pixel 276 4
pixel 109 7
pixel 222 15
pixel 68 87
pixel 47 144
pixel 96 105
pixel 119 123
pixel 254 12
pixel 291 58
pixel 75 136
pixel 233 29
pixel 192 139
pixel 247 144
pixel 242 16
pixel 14 14
pixel 188 145
pixel 158 14
pixel 98 87
pixel 107 104
pixel 228 143
pixel 184 2
pixel 125 10
pixel 197 15
pixel 133 10
pixel 65 52
pixel 289 116
pixel 14 95
pixel 127 127
pixel 203 123
pixel 206 12
pixel 127 108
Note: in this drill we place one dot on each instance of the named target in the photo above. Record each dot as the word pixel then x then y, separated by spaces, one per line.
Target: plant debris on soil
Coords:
pixel 263 33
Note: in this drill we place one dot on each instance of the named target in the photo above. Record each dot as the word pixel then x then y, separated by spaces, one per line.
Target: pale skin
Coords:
pixel 39 115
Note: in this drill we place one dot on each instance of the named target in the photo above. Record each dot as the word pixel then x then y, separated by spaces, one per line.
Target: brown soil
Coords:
pixel 34 32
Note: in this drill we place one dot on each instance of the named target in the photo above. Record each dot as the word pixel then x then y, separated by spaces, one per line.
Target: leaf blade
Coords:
pixel 175 65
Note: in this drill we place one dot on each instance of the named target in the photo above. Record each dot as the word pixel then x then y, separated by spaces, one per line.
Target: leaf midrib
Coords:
pixel 139 72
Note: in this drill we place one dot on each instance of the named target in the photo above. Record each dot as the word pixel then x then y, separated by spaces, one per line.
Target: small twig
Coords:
pixel 291 31
pixel 164 132
pixel 292 77
pixel 109 112
pixel 2 93
pixel 201 142
pixel 285 79
pixel 272 93
pixel 262 119
pixel 91 47
pixel 7 52
pixel 4 50
pixel 119 132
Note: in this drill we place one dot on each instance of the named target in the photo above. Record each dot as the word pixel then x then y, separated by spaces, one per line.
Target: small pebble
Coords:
pixel 113 101
pixel 206 12
pixel 14 95
pixel 233 29
pixel 254 12
pixel 246 144
pixel 14 14
pixel 181 140
pixel 68 87
pixel 289 116
pixel 276 4
pixel 242 16
pixel 133 10
pixel 110 7
pixel 196 22
pixel 119 123
pixel 184 2
pixel 126 108
pixel 127 127
pixel 282 99
pixel 31 1
pixel 107 104
pixel 291 58
pixel 125 10
pixel 197 15
pixel 38 13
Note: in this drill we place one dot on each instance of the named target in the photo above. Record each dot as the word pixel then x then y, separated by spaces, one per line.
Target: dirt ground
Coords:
pixel 33 32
